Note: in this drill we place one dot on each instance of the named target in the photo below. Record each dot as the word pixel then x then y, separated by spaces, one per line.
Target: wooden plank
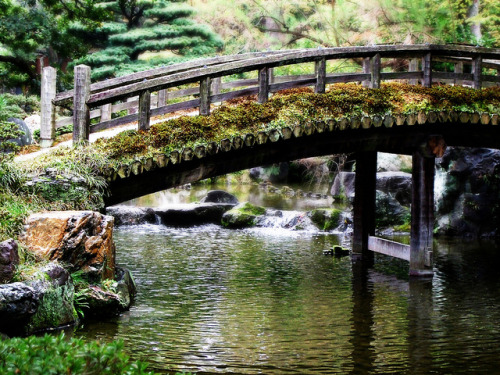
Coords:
pixel 427 68
pixel 205 96
pixel 47 110
pixel 490 78
pixel 144 110
pixel 292 84
pixel 348 77
pixel 401 75
pixel 455 77
pixel 105 112
pixel 477 68
pixel 114 122
pixel 263 84
pixel 375 71
pixel 81 112
pixel 320 68
pixel 387 247
pixel 234 94
pixel 64 121
pixel 216 85
pixel 158 72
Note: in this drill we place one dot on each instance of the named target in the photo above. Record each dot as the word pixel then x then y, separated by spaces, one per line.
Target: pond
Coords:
pixel 267 301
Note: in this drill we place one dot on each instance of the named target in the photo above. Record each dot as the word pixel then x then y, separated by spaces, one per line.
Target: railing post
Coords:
pixel 426 66
pixel 105 112
pixel 366 70
pixel 162 98
pixel 375 72
pixel 81 112
pixel 320 68
pixel 271 75
pixel 144 110
pixel 422 215
pixel 263 85
pixel 459 69
pixel 413 67
pixel 364 204
pixel 216 83
pixel 48 114
pixel 477 69
pixel 205 96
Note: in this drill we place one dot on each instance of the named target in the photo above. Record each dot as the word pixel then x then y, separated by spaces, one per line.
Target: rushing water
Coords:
pixel 259 301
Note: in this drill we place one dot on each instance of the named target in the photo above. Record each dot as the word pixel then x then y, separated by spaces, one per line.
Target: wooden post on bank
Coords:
pixel 422 215
pixel 48 114
pixel 364 204
pixel 81 111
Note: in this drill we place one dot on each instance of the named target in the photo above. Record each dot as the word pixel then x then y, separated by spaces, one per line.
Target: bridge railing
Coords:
pixel 147 93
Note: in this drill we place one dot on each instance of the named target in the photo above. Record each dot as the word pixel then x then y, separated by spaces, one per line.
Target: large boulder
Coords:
pixel 389 211
pixel 18 303
pixel 82 239
pixel 195 213
pixel 326 218
pixel 393 162
pixel 9 259
pixel 129 215
pixel 467 192
pixel 24 139
pixel 343 186
pixel 242 216
pixel 396 184
pixel 219 196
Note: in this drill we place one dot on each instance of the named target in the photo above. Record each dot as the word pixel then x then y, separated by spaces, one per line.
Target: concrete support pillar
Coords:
pixel 364 204
pixel 422 215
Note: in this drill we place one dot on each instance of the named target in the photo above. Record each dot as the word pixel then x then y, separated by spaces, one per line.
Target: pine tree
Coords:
pixel 161 28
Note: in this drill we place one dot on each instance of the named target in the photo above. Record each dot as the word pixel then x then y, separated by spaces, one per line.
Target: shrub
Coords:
pixel 61 355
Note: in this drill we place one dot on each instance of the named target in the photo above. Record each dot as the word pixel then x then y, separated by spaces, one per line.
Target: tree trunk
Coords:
pixel 475 27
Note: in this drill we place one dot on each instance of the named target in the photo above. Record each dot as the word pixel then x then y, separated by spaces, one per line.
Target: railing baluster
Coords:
pixel 375 71
pixel 105 112
pixel 413 67
pixel 48 114
pixel 366 70
pixel 320 68
pixel 426 66
pixel 459 69
pixel 162 98
pixel 205 96
pixel 477 68
pixel 144 110
pixel 81 112
pixel 263 85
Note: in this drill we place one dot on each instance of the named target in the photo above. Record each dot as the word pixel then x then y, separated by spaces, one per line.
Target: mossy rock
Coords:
pixel 325 218
pixel 243 215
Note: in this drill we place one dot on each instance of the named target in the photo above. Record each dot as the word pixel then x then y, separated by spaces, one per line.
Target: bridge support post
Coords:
pixel 205 88
pixel 144 110
pixel 48 114
pixel 364 204
pixel 477 67
pixel 263 85
pixel 422 215
pixel 81 111
pixel 375 72
pixel 320 68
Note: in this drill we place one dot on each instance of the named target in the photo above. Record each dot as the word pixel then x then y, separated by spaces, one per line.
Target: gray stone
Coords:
pixel 389 211
pixel 18 302
pixel 397 184
pixel 127 215
pixel 24 139
pixel 9 259
pixel 219 196
pixel 191 214
pixel 343 186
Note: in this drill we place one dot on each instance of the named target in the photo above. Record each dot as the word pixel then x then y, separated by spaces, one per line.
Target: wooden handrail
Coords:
pixel 203 71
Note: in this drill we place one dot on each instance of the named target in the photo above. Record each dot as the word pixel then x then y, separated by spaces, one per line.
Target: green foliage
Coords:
pixel 326 219
pixel 61 355
pixel 163 29
pixel 59 131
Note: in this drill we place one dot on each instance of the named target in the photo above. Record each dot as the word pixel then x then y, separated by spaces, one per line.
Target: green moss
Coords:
pixel 326 218
pixel 242 216
pixel 250 209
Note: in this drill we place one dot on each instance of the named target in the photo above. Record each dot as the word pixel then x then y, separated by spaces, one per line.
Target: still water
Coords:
pixel 267 301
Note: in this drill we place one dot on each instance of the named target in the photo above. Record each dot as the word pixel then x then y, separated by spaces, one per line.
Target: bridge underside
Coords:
pixel 423 142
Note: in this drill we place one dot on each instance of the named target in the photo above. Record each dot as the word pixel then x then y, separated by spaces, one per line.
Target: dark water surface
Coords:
pixel 267 301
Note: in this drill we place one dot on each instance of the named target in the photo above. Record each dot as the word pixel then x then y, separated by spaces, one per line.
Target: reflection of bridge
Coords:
pixel 422 135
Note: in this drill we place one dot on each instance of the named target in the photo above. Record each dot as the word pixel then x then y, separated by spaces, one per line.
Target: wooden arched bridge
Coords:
pixel 423 135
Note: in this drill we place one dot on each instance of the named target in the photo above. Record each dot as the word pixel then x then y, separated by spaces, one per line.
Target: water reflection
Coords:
pixel 267 301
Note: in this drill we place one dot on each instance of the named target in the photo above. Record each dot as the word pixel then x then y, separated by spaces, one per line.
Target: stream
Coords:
pixel 268 301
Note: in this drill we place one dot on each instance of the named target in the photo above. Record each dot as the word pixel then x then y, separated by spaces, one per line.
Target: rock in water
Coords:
pixel 219 196
pixel 83 239
pixel 9 259
pixel 18 303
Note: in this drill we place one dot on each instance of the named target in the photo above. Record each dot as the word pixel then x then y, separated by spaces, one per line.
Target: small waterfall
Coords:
pixel 439 184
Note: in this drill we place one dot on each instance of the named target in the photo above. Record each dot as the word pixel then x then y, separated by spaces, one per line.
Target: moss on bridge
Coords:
pixel 295 106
